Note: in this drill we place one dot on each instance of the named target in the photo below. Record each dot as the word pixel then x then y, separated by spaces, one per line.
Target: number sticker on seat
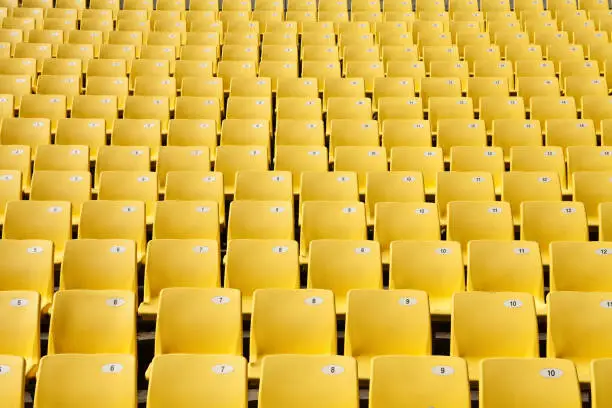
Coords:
pixel 112 368
pixel 117 249
pixel 115 301
pixel 220 300
pixel 333 369
pixel 551 373
pixel 443 370
pixel 513 303
pixel 314 301
pixel 407 301
pixel 222 369
pixel 19 302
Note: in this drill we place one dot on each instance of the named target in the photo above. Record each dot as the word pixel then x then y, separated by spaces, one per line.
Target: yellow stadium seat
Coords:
pixel 404 221
pixel 264 186
pixel 84 132
pixel 399 108
pixel 298 159
pixel 148 107
pixel 361 160
pixel 232 159
pixel 462 185
pixel 196 186
pixel 215 310
pixel 436 380
pixel 454 133
pixel 297 87
pixel 10 189
pixel 450 108
pixel 47 220
pixel 69 186
pixel 395 133
pixel 427 160
pixel 120 158
pixel 589 188
pixel 21 312
pixel 320 70
pixel 586 158
pixel 579 266
pixel 13 383
pixel 539 158
pixel 331 220
pixel 52 107
pixel 564 221
pixel 479 159
pixel 105 88
pixel 260 220
pixel 199 257
pixel 114 220
pixel 138 132
pixel 442 258
pixel 299 132
pixel 501 114
pixel 87 260
pixel 467 221
pixel 506 266
pixel 543 382
pixel 130 186
pixel 186 220
pixel 519 186
pixel 93 321
pixel 404 310
pixel 344 265
pixel 58 157
pixel 581 334
pixel 481 324
pixel 100 379
pixel 181 158
pixel 279 258
pixel 396 186
pixel 225 378
pixel 17 158
pixel 198 107
pixel 307 313
pixel 342 88
pixel 193 132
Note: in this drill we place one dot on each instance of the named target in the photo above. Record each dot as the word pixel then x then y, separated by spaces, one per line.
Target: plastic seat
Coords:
pixel 581 334
pixel 244 107
pixel 105 88
pixel 541 159
pixel 251 87
pixel 479 159
pixel 430 376
pixel 68 186
pixel 600 370
pixel 181 158
pixel 114 220
pixel 232 159
pixel 85 260
pixel 404 64
pixel 196 186
pixel 299 132
pixel 492 66
pixel 298 159
pixel 58 157
pixel 543 382
pixel 342 88
pixel 245 132
pixel 588 190
pixel 344 265
pixel 225 378
pixel 10 189
pixel 308 314
pixel 299 108
pixel 404 221
pixel 579 266
pixel 462 185
pixel 398 108
pixel 392 87
pixel 113 330
pixel 121 158
pixel 331 220
pixel 130 186
pixel 488 54
pixel 427 160
pixel 405 132
pixel 586 158
pixel 26 131
pixel 138 132
pixel 260 220
pixel 186 220
pixel 148 67
pixel 199 257
pixel 412 264
pixel 264 186
pixel 279 258
pixel 545 108
pixel 464 133
pixel 506 266
pixel 570 132
pixel 519 186
pixel 199 107
pixel 83 132
pixel 13 381
pixel 449 108
pixel 45 220
pixel 361 160
pixel 52 107
pixel 486 87
pixel 478 220
pixel 297 88
pixel 148 107
pixel 214 309
pixel 481 323
pixel 397 186
pixel 193 132
pixel 16 158
pixel 68 380
pixel 565 222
